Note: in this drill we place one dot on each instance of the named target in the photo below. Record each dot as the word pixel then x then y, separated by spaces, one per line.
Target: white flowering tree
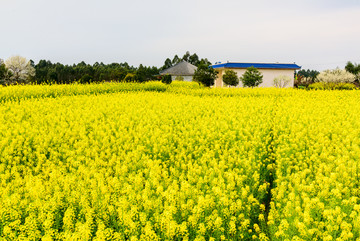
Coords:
pixel 20 68
pixel 336 76
pixel 281 81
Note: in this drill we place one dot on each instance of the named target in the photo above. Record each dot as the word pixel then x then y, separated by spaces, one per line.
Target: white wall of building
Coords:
pixel 268 76
pixel 186 78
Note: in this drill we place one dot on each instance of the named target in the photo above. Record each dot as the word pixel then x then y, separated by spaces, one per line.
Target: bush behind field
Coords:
pixel 331 86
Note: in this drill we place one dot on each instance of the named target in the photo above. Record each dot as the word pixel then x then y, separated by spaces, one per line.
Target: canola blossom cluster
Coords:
pixel 317 153
pixel 179 162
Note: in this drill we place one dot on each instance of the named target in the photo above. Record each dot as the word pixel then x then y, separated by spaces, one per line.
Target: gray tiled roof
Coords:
pixel 183 68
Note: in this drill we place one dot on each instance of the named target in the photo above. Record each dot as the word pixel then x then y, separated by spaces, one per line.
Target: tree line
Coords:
pixel 45 71
pixel 190 58
pixel 19 70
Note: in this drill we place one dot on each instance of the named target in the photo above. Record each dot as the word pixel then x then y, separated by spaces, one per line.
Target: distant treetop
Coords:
pixel 190 58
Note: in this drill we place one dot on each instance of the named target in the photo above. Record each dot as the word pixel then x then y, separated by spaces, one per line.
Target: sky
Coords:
pixel 315 34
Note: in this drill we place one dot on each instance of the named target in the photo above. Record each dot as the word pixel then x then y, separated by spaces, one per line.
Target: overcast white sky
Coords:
pixel 316 34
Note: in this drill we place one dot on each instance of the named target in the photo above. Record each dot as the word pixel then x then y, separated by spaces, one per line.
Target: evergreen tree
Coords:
pixel 353 69
pixel 5 74
pixel 176 60
pixel 230 78
pixel 186 56
pixel 307 76
pixel 194 59
pixel 252 77
pixel 205 75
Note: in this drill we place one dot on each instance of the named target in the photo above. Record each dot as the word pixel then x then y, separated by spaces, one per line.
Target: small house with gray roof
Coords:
pixel 183 69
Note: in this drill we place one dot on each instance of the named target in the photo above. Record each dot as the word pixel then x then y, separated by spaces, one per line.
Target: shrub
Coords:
pixel 230 78
pixel 166 79
pixel 331 86
pixel 336 76
pixel 346 86
pixel 205 75
pixel 282 81
pixel 317 86
pixel 252 77
pixel 179 78
pixel 85 79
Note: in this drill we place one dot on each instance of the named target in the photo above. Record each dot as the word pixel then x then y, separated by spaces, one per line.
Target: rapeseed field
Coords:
pixel 178 162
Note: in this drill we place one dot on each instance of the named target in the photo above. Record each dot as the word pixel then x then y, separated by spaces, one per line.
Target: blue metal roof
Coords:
pixel 256 65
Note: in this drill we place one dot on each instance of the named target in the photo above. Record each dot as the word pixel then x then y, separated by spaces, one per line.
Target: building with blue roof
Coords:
pixel 269 71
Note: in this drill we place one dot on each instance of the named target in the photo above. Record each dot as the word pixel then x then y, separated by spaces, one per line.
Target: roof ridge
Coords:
pixel 228 62
pixel 257 65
